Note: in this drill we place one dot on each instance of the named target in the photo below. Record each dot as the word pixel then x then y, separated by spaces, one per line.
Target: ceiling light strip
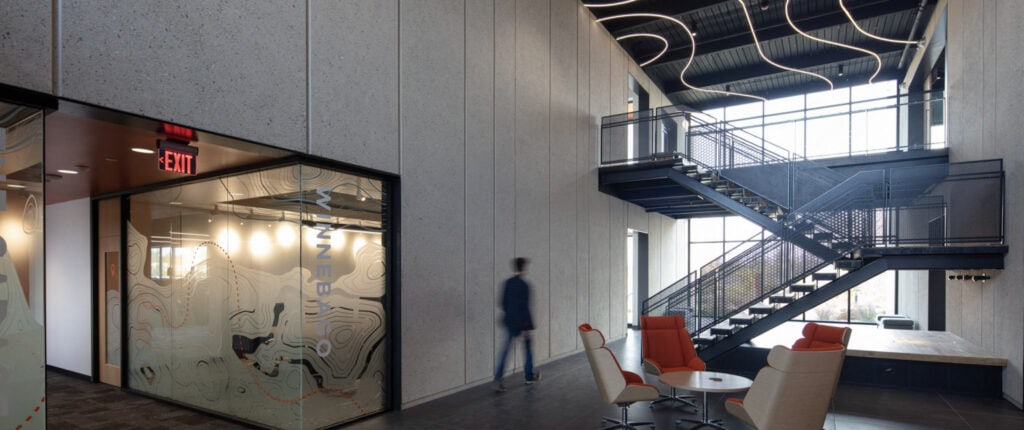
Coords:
pixel 653 36
pixel 619 3
pixel 861 30
pixel 693 50
pixel 841 45
pixel 757 44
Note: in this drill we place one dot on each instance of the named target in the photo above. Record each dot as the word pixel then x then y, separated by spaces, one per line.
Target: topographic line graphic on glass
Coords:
pixel 22 394
pixel 244 340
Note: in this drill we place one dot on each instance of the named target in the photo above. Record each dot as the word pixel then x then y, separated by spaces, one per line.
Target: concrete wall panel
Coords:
pixel 984 52
pixel 533 98
pixel 504 149
pixel 563 176
pixel 352 117
pixel 584 135
pixel 617 282
pixel 26 42
pixel 480 264
pixel 637 218
pixel 433 217
pixel 600 69
pixel 201 64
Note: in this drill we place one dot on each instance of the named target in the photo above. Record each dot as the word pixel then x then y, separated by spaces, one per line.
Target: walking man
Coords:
pixel 515 303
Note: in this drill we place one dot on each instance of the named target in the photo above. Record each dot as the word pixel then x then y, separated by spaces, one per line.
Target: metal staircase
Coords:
pixel 809 254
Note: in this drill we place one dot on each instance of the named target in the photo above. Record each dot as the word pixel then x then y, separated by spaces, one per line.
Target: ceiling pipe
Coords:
pixel 913 29
pixel 927 39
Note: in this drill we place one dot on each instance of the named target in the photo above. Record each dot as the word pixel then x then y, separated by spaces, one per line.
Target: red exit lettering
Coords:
pixel 179 163
pixel 177 158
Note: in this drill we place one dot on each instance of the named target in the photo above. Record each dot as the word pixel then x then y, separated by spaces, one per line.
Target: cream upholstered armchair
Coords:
pixel 617 386
pixel 793 391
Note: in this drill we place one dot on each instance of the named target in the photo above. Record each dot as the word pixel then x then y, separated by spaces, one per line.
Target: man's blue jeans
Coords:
pixel 512 335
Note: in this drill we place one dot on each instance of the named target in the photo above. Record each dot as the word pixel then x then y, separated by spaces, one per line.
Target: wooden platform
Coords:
pixel 869 341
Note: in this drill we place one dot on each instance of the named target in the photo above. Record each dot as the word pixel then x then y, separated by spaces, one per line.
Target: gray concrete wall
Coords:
pixel 985 56
pixel 26 40
pixel 488 110
pixel 913 296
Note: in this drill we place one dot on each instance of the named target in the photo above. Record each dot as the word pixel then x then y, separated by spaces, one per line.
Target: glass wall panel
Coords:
pixel 784 123
pixel 747 117
pixel 22 365
pixel 706 229
pixel 876 296
pixel 261 296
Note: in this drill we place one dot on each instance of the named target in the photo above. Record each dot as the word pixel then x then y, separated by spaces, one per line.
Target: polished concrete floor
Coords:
pixel 565 399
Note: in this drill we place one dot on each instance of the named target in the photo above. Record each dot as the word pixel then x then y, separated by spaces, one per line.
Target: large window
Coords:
pixel 862 303
pixel 853 120
pixel 713 238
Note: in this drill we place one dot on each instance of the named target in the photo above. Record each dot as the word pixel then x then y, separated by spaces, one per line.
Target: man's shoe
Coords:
pixel 498 386
pixel 536 377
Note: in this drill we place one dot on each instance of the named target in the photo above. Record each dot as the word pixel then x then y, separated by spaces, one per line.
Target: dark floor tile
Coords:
pixel 993 421
pixel 983 405
pixel 566 399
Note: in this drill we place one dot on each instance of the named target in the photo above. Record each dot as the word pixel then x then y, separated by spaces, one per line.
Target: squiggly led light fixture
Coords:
pixel 841 45
pixel 861 30
pixel 757 44
pixel 693 50
pixel 619 3
pixel 654 36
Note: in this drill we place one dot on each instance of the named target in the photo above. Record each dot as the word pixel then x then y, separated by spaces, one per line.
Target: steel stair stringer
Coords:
pixel 792 310
pixel 776 228
pixel 943 258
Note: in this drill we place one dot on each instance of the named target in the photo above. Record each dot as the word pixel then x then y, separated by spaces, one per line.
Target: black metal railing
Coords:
pixel 892 207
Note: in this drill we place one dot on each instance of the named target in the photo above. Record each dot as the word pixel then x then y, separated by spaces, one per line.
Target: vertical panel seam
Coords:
pixel 57 46
pixel 465 191
pixel 494 176
pixel 398 82
pixel 309 78
pixel 550 50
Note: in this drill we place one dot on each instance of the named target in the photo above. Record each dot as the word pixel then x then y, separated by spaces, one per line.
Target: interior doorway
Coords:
pixel 637 289
pixel 107 272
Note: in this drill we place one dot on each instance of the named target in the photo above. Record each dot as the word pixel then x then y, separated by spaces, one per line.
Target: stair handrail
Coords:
pixel 729 143
pixel 713 283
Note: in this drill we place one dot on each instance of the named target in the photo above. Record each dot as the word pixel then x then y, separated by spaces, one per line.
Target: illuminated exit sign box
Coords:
pixel 177 157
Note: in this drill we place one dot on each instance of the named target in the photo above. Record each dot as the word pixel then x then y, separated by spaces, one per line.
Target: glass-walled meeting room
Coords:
pixel 261 296
pixel 22 345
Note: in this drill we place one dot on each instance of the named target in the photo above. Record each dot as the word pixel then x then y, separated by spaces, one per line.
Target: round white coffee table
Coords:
pixel 706 382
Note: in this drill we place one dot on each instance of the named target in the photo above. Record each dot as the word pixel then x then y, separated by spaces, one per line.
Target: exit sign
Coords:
pixel 177 157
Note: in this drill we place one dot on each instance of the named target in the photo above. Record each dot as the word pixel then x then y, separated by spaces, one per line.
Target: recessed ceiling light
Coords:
pixel 111 159
pixel 15 186
pixel 67 171
pixel 175 203
pixel 143 150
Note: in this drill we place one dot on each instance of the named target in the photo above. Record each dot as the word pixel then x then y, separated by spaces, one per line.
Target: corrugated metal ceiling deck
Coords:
pixel 726 57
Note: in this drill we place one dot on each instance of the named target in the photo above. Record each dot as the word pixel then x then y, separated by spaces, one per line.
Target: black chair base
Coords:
pixel 624 423
pixel 674 398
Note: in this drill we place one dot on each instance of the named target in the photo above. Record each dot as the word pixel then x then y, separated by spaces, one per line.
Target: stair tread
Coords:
pixel 801 288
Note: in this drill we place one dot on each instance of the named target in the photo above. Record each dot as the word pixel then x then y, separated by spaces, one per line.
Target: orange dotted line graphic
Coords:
pixel 36 410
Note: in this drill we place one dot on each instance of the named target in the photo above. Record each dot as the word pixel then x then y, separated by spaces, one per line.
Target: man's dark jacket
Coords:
pixel 516 305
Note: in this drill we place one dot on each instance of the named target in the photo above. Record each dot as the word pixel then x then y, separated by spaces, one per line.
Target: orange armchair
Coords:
pixel 819 336
pixel 667 347
pixel 617 386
